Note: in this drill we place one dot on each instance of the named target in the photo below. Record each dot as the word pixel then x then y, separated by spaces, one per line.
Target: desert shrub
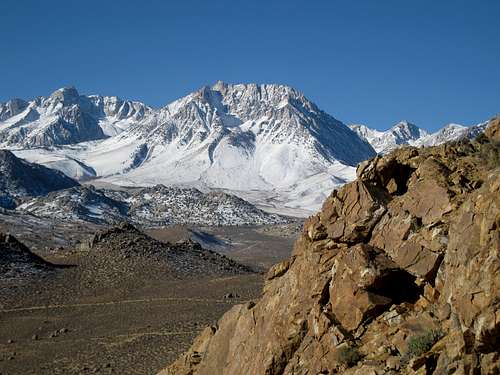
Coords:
pixel 348 355
pixel 422 343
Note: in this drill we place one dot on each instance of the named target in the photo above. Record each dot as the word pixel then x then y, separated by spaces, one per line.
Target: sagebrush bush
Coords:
pixel 348 355
pixel 420 344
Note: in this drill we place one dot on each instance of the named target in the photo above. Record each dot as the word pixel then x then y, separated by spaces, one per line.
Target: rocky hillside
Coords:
pixel 116 253
pixel 398 273
pixel 161 205
pixel 19 178
pixel 155 206
pixel 16 260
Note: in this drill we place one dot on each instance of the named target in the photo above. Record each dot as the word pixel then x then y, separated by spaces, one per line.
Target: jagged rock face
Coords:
pixel 65 117
pixel 493 131
pixel 12 108
pixel 399 273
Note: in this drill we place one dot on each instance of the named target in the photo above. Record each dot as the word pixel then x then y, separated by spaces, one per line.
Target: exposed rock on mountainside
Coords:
pixel 17 261
pixel 240 137
pixel 161 205
pixel 399 273
pixel 82 203
pixel 19 178
pixel 65 117
pixel 12 108
pixel 118 252
pixel 154 206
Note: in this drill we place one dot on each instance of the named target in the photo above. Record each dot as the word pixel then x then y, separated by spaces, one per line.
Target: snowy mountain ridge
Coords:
pixel 266 143
pixel 241 138
pixel 65 117
pixel 405 133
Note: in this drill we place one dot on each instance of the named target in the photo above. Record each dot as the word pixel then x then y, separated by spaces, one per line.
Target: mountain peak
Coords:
pixel 229 136
pixel 405 124
pixel 405 132
pixel 220 86
pixel 66 95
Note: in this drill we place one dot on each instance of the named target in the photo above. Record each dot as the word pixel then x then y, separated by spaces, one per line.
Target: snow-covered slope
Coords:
pixel 65 117
pixel 245 137
pixel 403 133
pixel 452 132
pixel 154 206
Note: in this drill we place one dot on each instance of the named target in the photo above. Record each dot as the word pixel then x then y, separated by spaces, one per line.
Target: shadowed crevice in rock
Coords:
pixel 398 176
pixel 365 283
pixel 294 342
pixel 325 294
pixel 398 285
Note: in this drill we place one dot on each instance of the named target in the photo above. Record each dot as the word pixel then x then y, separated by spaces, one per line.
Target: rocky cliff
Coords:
pixel 398 273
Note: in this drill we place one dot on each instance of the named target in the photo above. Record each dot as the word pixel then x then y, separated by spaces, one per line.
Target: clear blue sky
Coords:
pixel 374 62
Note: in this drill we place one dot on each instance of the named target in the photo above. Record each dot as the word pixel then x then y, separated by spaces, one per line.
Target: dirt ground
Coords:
pixel 54 325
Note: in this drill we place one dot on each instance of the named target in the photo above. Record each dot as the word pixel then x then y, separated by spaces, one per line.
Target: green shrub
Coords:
pixel 348 355
pixel 420 344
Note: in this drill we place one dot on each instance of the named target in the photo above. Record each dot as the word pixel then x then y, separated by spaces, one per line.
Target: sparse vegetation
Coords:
pixel 348 355
pixel 421 343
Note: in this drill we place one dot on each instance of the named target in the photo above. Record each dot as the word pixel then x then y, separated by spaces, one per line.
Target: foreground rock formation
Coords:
pixel 399 273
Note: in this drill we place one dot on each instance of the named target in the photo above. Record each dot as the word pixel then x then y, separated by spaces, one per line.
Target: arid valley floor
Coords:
pixel 137 323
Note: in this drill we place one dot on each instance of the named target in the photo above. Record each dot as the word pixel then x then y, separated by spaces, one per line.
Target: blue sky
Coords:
pixel 374 62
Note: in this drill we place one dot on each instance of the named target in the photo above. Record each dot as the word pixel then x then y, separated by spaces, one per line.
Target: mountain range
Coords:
pixel 266 143
pixel 406 133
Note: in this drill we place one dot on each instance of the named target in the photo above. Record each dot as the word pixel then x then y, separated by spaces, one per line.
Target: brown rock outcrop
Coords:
pixel 399 273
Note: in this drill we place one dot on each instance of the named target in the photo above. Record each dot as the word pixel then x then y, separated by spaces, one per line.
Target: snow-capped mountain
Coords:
pixel 243 138
pixel 452 132
pixel 154 206
pixel 12 108
pixel 64 118
pixel 19 179
pixel 403 133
